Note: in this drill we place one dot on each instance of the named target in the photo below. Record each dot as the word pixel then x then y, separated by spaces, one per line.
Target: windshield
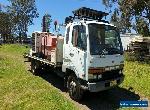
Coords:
pixel 104 40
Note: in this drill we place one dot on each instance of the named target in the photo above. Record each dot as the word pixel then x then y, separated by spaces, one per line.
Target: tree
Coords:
pixel 130 14
pixel 22 14
pixel 5 24
pixel 46 23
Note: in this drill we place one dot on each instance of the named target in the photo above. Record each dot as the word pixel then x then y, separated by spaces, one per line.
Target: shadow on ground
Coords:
pixel 106 100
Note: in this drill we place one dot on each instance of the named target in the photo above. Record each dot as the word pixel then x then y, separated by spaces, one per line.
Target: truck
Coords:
pixel 89 57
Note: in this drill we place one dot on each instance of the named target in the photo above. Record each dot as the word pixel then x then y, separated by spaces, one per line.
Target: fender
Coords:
pixel 65 67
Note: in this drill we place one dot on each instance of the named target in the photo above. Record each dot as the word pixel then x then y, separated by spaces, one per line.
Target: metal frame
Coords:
pixel 86 14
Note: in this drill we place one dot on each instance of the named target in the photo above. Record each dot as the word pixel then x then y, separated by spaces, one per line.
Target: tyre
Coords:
pixel 74 88
pixel 34 68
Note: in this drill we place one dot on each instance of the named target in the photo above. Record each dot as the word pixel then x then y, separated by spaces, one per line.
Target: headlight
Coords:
pixel 96 73
pixel 96 70
pixel 90 76
pixel 95 76
pixel 100 76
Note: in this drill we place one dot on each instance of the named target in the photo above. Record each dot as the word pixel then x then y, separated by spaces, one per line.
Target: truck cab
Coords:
pixel 92 54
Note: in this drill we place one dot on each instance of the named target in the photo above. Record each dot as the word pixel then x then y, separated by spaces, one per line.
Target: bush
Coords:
pixel 132 56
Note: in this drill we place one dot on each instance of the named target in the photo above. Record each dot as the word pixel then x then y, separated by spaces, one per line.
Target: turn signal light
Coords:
pixel 96 70
pixel 101 70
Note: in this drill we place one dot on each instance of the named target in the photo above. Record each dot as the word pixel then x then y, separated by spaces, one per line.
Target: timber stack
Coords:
pixel 140 47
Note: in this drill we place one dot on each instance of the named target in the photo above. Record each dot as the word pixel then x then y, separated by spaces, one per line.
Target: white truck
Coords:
pixel 92 54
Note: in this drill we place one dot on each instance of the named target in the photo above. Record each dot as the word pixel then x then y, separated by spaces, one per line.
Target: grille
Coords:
pixel 110 75
pixel 107 76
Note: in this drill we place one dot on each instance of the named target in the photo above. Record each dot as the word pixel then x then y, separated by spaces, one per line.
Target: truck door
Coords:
pixel 78 51
pixel 66 49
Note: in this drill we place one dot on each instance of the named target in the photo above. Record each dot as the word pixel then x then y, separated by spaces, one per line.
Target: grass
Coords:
pixel 137 76
pixel 20 90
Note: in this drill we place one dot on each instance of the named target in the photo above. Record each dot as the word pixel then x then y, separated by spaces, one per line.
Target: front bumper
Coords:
pixel 104 85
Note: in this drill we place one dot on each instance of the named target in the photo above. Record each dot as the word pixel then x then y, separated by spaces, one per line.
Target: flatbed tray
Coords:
pixel 45 61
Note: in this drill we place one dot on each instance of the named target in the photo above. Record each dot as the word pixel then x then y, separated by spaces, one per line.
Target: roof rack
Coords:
pixel 87 14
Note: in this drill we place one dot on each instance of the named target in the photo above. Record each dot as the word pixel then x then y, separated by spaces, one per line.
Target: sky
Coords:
pixel 59 10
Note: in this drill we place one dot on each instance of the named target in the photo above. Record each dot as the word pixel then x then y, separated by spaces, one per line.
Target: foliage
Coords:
pixel 20 90
pixel 131 56
pixel 136 56
pixel 5 26
pixel 46 22
pixel 15 19
pixel 130 14
pixel 22 13
pixel 4 22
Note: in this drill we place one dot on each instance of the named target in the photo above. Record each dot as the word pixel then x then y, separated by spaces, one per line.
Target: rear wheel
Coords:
pixel 34 68
pixel 74 88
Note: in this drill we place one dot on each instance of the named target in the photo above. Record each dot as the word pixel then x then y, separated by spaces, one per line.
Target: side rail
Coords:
pixel 40 59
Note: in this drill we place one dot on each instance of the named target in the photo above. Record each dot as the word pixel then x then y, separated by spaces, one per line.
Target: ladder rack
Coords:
pixel 86 14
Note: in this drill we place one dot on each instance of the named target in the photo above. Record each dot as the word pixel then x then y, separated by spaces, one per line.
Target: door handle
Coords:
pixel 71 54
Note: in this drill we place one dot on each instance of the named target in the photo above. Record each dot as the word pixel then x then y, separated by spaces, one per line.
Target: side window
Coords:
pixel 74 36
pixel 79 37
pixel 67 35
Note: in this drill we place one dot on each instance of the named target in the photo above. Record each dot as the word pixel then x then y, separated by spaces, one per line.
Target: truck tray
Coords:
pixel 45 61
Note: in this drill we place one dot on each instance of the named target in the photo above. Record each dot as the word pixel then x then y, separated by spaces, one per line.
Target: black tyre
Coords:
pixel 34 68
pixel 74 88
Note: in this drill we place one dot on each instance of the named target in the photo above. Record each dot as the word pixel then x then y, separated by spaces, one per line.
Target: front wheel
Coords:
pixel 74 88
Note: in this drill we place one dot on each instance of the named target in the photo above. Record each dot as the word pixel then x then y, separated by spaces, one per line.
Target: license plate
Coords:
pixel 112 83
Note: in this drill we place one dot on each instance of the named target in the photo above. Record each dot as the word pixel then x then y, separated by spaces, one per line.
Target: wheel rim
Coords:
pixel 73 88
pixel 34 68
pixel 33 71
